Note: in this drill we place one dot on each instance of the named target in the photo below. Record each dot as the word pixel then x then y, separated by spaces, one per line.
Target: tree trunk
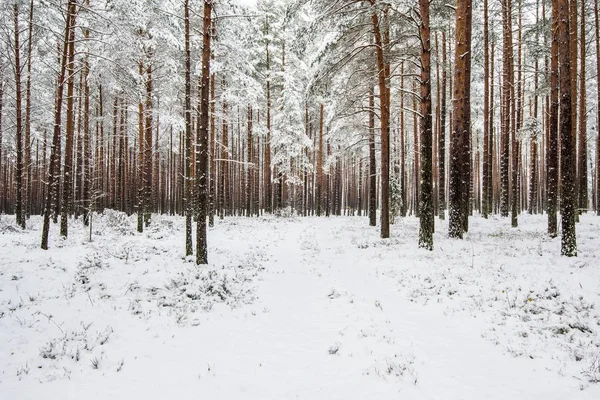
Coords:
pixel 268 170
pixel 461 118
pixel 382 44
pixel 505 110
pixel 148 206
pixel 202 160
pixel 20 171
pixel 426 205
pixel 567 148
pixel 188 132
pixel 53 173
pixel 552 156
pixel 582 153
pixel 372 161
pixel 67 194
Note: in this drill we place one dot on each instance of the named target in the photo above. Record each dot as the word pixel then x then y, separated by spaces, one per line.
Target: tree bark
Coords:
pixel 461 118
pixel 426 205
pixel 67 194
pixel 20 171
pixel 372 161
pixel 54 170
pixel 552 156
pixel 567 149
pixel 202 179
pixel 188 131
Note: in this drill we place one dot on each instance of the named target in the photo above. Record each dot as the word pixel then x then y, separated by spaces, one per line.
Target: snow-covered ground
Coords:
pixel 299 308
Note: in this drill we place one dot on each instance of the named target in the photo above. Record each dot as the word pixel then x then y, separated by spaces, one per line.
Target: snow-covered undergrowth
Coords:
pixel 289 307
pixel 60 309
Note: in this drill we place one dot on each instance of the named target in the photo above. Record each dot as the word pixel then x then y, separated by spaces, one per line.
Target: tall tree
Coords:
pixel 459 155
pixel 188 131
pixel 567 142
pixel 20 171
pixel 202 178
pixel 67 192
pixel 426 204
pixel 54 168
pixel 582 175
pixel 486 113
pixel 372 161
pixel 381 33
pixel 552 156
pixel 507 106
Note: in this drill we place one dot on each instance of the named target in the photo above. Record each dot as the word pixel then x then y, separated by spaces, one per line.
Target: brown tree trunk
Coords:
pixel 188 132
pixel 87 149
pixel 54 170
pixel 582 153
pixel 372 161
pixel 552 153
pixel 426 204
pixel 268 170
pixel 383 68
pixel 148 206
pixel 27 162
pixel 567 142
pixel 507 105
pixel 461 118
pixel 20 171
pixel 486 112
pixel 202 178
pixel 67 194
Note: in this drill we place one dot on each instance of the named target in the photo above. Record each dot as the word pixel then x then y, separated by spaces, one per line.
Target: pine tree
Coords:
pixel 567 148
pixel 426 205
pixel 202 178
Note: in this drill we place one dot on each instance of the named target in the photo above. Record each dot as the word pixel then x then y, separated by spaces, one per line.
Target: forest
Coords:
pixel 300 199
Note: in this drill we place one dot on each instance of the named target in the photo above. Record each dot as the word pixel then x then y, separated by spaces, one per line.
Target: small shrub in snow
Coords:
pixel 334 349
pixel 592 373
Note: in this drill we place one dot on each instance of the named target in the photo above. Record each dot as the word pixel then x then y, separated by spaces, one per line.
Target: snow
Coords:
pixel 299 308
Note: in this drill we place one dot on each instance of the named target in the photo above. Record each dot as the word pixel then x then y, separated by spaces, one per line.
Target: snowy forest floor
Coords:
pixel 299 308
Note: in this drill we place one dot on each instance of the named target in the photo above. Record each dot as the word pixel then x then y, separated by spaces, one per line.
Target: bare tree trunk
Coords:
pixel 53 173
pixel 27 163
pixel 141 152
pixel 426 205
pixel 67 194
pixel 87 150
pixel 188 132
pixel 403 199
pixel 320 164
pixel 515 127
pixel 148 206
pixel 461 118
pixel 567 149
pixel 19 209
pixel 202 160
pixel 250 167
pixel 382 44
pixel 213 166
pixel 486 111
pixel 552 156
pixel 372 162
pixel 507 104
pixel 268 170
pixel 582 153
pixel 442 135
